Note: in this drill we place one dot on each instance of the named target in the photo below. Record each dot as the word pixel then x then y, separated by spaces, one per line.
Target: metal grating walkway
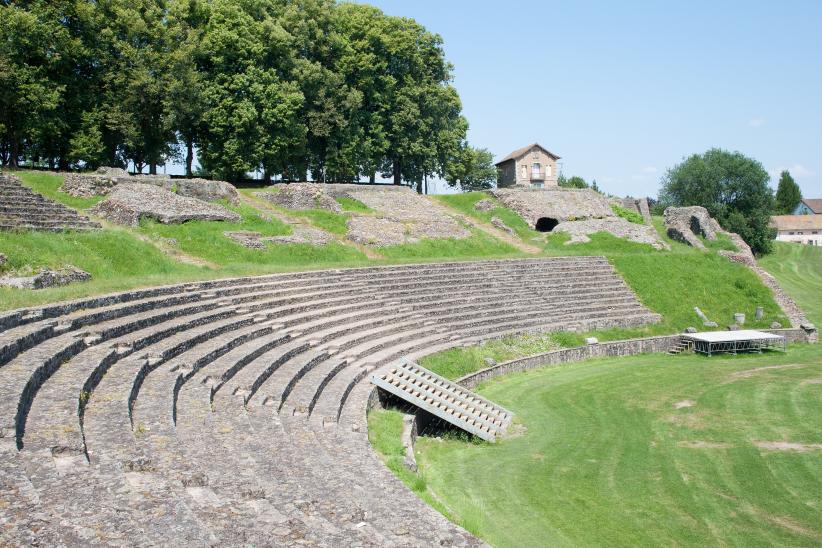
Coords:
pixel 444 399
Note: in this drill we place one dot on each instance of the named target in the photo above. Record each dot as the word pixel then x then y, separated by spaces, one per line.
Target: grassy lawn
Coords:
pixel 648 450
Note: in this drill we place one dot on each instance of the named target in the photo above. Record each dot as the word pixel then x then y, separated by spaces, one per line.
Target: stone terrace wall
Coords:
pixel 628 347
pixel 566 355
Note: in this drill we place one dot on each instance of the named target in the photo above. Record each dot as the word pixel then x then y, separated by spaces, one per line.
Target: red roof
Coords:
pixel 520 152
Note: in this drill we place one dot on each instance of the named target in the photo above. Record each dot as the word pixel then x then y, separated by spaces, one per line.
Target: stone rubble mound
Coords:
pixel 402 216
pixel 206 190
pixel 562 204
pixel 126 204
pixel 619 227
pixel 301 196
pixel 102 181
pixel 299 235
pixel 233 412
pixel 485 205
pixel 686 224
pixel 46 278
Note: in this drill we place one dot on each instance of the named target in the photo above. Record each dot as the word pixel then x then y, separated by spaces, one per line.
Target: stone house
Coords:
pixel 809 206
pixel 802 229
pixel 533 166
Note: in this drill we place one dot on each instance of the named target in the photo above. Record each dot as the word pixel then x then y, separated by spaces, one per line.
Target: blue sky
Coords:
pixel 624 90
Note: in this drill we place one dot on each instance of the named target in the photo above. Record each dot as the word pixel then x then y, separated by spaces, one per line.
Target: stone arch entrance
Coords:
pixel 546 224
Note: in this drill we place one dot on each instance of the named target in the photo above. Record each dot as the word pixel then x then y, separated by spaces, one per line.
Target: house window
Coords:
pixel 536 185
pixel 524 171
pixel 535 170
pixel 547 171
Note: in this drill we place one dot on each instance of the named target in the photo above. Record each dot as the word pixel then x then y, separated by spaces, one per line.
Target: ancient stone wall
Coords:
pixel 557 357
pixel 562 204
pixel 686 224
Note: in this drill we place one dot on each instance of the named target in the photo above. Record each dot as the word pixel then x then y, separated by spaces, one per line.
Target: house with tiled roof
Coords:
pixel 533 166
pixel 809 206
pixel 801 229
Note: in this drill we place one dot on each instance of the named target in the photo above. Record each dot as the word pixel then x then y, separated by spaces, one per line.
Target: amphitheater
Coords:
pixel 234 411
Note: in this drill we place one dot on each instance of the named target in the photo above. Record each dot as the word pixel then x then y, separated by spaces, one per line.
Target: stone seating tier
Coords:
pixel 234 411
pixel 23 209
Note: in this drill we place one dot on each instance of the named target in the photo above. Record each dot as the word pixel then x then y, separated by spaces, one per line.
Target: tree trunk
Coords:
pixel 397 172
pixel 152 168
pixel 15 152
pixel 189 156
pixel 372 178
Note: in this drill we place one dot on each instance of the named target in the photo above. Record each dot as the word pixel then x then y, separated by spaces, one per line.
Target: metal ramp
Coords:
pixel 444 399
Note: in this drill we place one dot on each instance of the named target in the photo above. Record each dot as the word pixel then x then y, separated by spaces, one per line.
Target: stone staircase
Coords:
pixel 680 346
pixel 234 411
pixel 444 399
pixel 23 209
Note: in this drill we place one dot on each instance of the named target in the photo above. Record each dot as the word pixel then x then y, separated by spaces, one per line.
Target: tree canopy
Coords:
pixel 471 169
pixel 280 87
pixel 732 187
pixel 788 194
pixel 575 181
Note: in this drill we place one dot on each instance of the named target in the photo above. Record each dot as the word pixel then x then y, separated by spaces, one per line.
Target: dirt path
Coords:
pixel 176 254
pixel 293 220
pixel 495 232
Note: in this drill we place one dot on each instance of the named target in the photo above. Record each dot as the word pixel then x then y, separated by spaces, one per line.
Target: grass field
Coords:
pixel 644 450
pixel 650 450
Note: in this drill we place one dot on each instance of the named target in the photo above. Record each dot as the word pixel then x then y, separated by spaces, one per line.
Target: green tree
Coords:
pixel 733 188
pixel 471 169
pixel 186 101
pixel 252 118
pixel 29 94
pixel 572 182
pixel 788 194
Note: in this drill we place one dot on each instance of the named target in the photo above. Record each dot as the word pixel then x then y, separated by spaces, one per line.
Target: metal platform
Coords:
pixel 444 399
pixel 747 340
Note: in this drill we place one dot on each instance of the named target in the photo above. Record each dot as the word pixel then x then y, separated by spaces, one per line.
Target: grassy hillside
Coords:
pixel 799 271
pixel 670 283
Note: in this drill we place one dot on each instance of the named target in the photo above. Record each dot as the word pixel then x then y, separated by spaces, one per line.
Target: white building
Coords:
pixel 802 229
